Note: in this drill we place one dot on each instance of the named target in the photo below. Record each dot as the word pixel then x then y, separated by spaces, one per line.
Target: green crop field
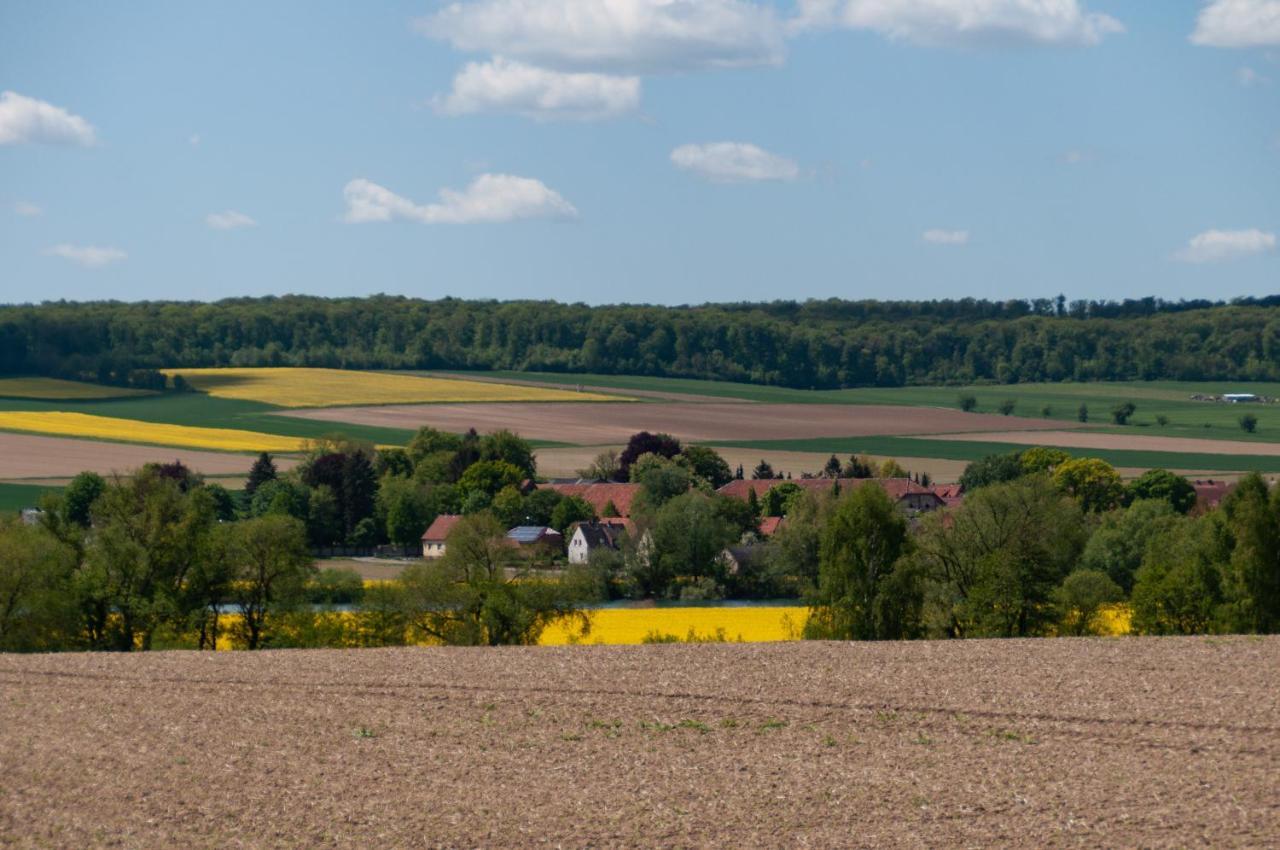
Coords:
pixel 14 497
pixel 973 450
pixel 1170 399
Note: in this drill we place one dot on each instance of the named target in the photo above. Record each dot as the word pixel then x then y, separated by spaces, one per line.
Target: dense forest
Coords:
pixel 825 344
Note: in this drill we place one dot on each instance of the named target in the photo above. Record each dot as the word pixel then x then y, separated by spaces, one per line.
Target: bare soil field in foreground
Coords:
pixel 600 424
pixel 32 456
pixel 1131 442
pixel 1163 742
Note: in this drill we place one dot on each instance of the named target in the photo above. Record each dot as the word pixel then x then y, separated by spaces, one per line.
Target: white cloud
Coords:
pixel 946 237
pixel 194 140
pixel 1215 245
pixel 1238 23
pixel 27 209
pixel 614 35
pixel 489 198
pixel 25 119
pixel 229 220
pixel 87 255
pixel 734 162
pixel 969 22
pixel 502 85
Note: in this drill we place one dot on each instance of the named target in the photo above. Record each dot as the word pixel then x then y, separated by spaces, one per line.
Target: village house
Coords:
pixel 738 558
pixel 588 537
pixel 433 539
pixel 911 497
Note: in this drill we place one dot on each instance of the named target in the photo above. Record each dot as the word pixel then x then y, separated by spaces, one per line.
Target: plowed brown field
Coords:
pixel 1039 743
pixel 31 456
pixel 598 424
pixel 1133 442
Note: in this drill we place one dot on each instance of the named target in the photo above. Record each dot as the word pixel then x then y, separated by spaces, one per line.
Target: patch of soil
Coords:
pixel 34 456
pixel 1163 742
pixel 604 424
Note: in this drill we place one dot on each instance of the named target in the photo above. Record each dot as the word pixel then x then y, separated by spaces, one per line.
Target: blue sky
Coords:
pixel 661 151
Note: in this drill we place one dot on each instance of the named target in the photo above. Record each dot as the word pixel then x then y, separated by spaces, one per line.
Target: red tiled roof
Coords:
pixel 440 529
pixel 895 487
pixel 1210 492
pixel 600 494
pixel 950 494
pixel 769 525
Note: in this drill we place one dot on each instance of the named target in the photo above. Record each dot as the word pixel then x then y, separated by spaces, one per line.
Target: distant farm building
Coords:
pixel 1237 398
pixel 536 535
pixel 769 525
pixel 433 539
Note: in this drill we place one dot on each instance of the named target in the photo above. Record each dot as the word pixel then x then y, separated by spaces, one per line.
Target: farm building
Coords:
pixel 950 494
pixel 433 539
pixel 587 537
pixel 600 494
pixel 1239 398
pixel 910 496
pixel 1210 492
pixel 536 535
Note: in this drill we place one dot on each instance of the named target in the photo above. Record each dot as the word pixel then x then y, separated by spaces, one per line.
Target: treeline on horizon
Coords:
pixel 820 344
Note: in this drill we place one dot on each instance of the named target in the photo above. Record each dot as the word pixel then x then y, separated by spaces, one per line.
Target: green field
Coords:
pixel 15 497
pixel 1187 418
pixel 973 450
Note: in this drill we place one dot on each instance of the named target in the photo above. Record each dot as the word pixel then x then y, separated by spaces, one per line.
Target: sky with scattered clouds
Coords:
pixel 667 151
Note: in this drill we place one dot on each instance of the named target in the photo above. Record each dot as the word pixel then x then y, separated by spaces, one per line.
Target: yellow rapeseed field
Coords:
pixel 152 433
pixel 55 389
pixel 299 387
pixel 632 625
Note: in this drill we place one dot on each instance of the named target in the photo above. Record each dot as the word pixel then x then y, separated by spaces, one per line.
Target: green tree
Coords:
pixel 37 608
pixel 707 464
pixel 1082 412
pixel 80 495
pixel 571 509
pixel 992 469
pixel 779 498
pixel 148 535
pixel 272 564
pixel 1178 588
pixel 1164 485
pixel 262 471
pixel 1248 423
pixel 1007 406
pixel 284 496
pixel 862 541
pixel 430 441
pixel 406 509
pixel 490 476
pixel 508 506
pixel 763 471
pixel 507 447
pixel 688 537
pixel 1252 576
pixel 1121 412
pixel 1092 482
pixel 1081 598
pixel 481 592
pixel 1042 459
pixel 994 562
pixel 1120 541
pixel 968 402
pixel 393 462
pixel 660 481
